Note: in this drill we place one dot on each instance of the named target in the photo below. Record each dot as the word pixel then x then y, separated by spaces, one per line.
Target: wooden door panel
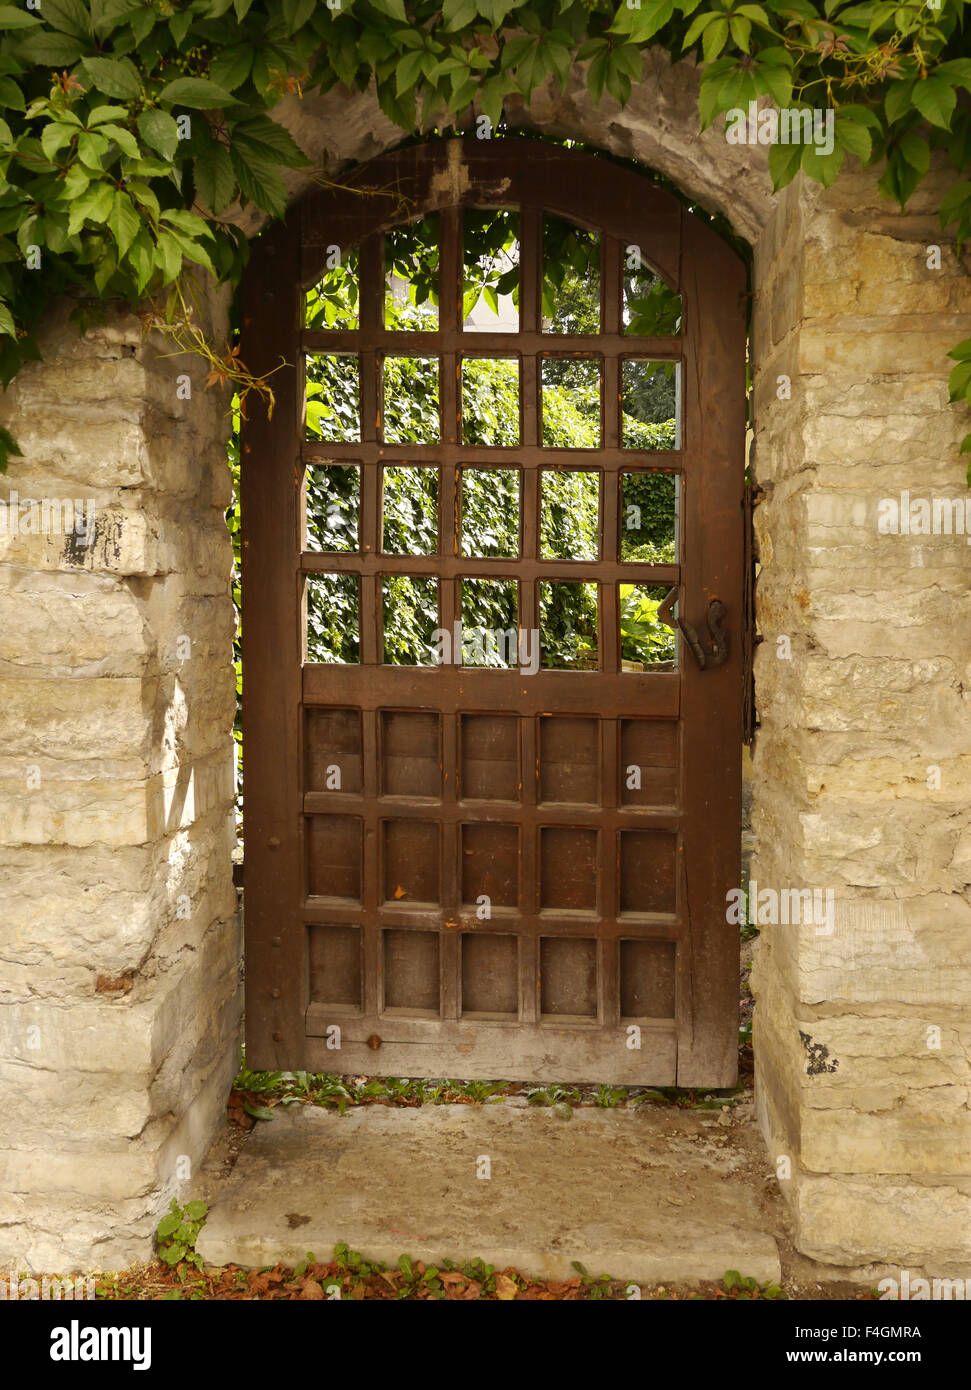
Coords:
pixel 509 870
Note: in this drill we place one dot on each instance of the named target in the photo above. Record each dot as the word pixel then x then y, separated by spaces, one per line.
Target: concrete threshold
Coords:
pixel 652 1195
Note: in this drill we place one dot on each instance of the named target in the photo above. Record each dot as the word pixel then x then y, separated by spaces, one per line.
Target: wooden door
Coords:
pixel 491 800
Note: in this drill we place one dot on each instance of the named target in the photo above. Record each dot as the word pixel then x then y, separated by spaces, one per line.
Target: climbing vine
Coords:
pixel 130 130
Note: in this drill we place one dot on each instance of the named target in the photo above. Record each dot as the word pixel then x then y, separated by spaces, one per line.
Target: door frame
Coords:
pixel 711 279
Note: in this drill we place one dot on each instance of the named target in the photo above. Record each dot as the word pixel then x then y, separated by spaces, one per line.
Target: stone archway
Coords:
pixel 119 1013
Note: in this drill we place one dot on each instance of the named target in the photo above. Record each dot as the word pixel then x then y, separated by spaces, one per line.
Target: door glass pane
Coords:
pixel 571 278
pixel 651 404
pixel 568 626
pixel 651 307
pixel 333 502
pixel 490 511
pixel 333 302
pixel 410 514
pixel 490 630
pixel 410 400
pixel 409 613
pixel 411 276
pixel 332 619
pixel 490 401
pixel 650 505
pixel 333 392
pixel 570 520
pixel 490 270
pixel 645 641
pixel 571 402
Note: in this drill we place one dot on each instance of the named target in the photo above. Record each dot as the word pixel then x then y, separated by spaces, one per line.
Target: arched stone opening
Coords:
pixel 120 1007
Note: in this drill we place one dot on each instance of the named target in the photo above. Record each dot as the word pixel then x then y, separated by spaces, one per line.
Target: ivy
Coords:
pixel 129 131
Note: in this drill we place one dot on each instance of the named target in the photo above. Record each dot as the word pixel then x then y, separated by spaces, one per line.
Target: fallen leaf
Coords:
pixel 506 1288
pixel 400 892
pixel 311 1289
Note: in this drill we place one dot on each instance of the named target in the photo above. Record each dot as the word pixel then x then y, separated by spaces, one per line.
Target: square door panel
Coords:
pixel 569 760
pixel 410 753
pixel 568 868
pixel 411 861
pixel 334 856
pixel 490 757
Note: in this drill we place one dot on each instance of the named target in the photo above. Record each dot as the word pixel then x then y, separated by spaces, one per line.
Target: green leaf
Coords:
pixel 190 223
pixel 7 325
pixel 458 14
pixel 179 25
pixel 231 66
pixel 172 1254
pixel 168 257
pixel 168 1224
pixel 394 8
pixel 273 140
pixel 652 16
pixel 195 1211
pixel 935 99
pixel 55 136
pixel 142 260
pixel 144 197
pixel 408 71
pixel 94 204
pixel 159 130
pixel 714 39
pixel 697 27
pixel 68 17
pixel 774 79
pixel 13 18
pixel 100 114
pixel 116 77
pixel 50 50
pixel 741 31
pixel 853 137
pixel 784 164
pixel 214 177
pixel 92 148
pixel 10 94
pixel 195 92
pixel 123 221
pixel 959 382
pixel 124 139
pixel 916 151
pixel 8 448
pixel 898 100
pixel 259 1112
pixel 822 167
pixel 296 13
pixel 962 352
pixel 957 71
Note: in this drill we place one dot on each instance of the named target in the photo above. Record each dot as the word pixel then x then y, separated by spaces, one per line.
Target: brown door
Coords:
pixel 491 799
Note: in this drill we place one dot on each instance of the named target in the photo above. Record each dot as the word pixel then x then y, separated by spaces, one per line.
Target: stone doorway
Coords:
pixel 119 931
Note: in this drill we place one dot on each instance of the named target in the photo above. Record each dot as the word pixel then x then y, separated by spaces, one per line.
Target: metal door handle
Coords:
pixel 706 659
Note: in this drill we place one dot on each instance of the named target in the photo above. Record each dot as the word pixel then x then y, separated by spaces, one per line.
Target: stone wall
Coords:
pixel 119 950
pixel 119 1015
pixel 863 1036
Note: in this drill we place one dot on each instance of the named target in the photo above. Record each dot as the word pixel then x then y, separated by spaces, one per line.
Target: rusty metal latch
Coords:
pixel 719 637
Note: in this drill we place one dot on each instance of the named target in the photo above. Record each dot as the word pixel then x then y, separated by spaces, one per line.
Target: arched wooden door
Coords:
pixel 496 866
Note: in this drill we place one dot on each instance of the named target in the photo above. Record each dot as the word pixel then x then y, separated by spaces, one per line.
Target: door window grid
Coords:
pixel 433 432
